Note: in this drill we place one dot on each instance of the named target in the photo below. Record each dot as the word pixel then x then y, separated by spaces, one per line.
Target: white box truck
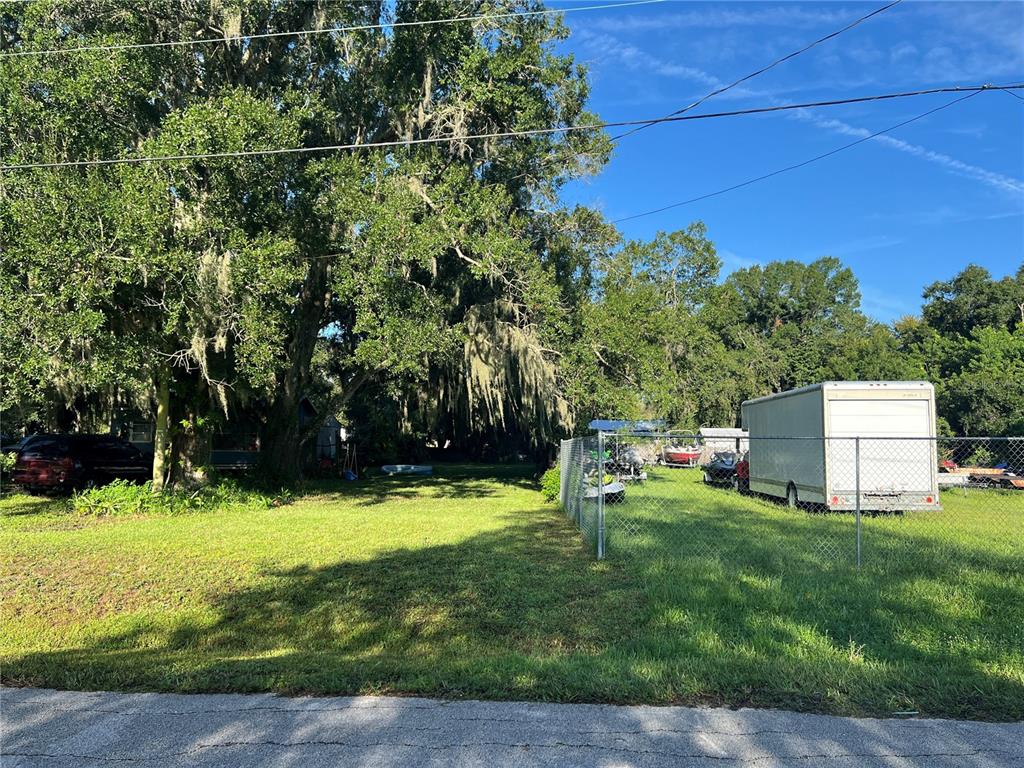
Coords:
pixel 803 446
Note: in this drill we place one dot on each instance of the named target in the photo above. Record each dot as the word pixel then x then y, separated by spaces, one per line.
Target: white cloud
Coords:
pixel 924 43
pixel 860 245
pixel 902 51
pixel 942 215
pixel 956 42
pixel 720 18
pixel 953 165
pixel 732 261
pixel 608 47
pixel 974 131
pixel 884 306
pixel 864 53
pixel 636 59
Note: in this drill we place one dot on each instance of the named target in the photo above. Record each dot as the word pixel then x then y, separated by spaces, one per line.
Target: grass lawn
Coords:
pixel 468 585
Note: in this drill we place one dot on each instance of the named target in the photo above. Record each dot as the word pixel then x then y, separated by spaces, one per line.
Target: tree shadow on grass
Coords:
pixel 524 612
pixel 24 504
pixel 449 481
pixel 485 616
pixel 942 613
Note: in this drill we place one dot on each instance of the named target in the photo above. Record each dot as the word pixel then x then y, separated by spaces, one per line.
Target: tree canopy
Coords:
pixel 428 293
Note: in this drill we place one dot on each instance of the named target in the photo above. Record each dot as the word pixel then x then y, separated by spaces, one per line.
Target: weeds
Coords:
pixel 550 485
pixel 121 498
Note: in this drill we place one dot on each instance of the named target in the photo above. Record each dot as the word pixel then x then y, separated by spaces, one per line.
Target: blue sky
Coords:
pixel 902 211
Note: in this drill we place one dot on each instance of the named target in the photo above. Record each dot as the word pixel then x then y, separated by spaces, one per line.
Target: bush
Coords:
pixel 124 498
pixel 7 461
pixel 551 485
pixel 980 457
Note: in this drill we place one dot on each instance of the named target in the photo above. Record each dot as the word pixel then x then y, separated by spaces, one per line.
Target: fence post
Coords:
pixel 564 466
pixel 600 495
pixel 581 486
pixel 856 465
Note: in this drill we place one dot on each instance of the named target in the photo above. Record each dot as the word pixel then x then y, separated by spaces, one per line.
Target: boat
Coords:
pixel 407 469
pixel 614 492
pixel 681 457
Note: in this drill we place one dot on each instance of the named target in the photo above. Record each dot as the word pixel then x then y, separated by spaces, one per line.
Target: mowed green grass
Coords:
pixel 468 585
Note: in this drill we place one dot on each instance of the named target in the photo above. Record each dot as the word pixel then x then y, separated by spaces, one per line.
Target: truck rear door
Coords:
pixel 889 465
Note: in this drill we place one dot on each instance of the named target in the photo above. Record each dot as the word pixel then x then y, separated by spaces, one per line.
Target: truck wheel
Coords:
pixel 791 497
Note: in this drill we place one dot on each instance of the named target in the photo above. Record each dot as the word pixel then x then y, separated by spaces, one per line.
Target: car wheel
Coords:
pixel 791 497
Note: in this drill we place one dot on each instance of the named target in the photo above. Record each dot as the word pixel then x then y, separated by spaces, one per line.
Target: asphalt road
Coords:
pixel 58 729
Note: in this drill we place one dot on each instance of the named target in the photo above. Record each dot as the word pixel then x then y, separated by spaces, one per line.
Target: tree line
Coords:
pixel 427 293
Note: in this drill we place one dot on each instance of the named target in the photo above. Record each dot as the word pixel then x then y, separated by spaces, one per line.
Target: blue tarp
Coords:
pixel 625 425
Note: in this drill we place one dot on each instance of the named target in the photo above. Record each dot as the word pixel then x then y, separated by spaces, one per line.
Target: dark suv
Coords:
pixel 68 462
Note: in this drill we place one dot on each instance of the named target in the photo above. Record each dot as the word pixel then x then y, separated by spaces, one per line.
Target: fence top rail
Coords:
pixel 728 438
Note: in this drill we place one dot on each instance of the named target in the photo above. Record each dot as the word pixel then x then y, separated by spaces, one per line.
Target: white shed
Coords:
pixel 714 439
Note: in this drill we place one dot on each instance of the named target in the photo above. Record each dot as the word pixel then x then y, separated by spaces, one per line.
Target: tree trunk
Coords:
pixel 162 437
pixel 192 454
pixel 193 443
pixel 281 450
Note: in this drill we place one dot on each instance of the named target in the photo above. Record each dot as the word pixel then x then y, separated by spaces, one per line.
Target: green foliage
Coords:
pixel 121 498
pixel 228 270
pixel 970 343
pixel 973 300
pixel 641 345
pixel 7 461
pixel 550 484
pixel 692 356
pixel 987 391
pixel 980 457
pixel 446 278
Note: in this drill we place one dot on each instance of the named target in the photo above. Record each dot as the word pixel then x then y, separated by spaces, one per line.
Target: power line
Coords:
pixel 1011 93
pixel 764 69
pixel 325 31
pixel 837 150
pixel 500 134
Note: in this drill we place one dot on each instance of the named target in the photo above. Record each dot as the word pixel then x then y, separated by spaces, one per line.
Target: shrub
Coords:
pixel 124 498
pixel 7 461
pixel 980 457
pixel 550 484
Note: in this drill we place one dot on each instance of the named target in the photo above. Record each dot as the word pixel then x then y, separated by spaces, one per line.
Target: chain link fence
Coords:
pixel 776 503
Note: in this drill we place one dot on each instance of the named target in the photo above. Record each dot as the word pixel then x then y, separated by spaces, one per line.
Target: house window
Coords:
pixel 141 432
pixel 236 441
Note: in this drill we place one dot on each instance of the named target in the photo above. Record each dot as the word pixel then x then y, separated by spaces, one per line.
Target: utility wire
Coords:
pixel 500 134
pixel 764 69
pixel 837 150
pixel 325 31
pixel 1011 93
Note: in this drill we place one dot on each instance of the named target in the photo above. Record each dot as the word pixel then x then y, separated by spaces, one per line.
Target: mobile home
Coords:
pixel 807 445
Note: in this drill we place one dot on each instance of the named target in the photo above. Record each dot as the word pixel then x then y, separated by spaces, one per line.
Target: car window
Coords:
pixel 46 446
pixel 114 448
